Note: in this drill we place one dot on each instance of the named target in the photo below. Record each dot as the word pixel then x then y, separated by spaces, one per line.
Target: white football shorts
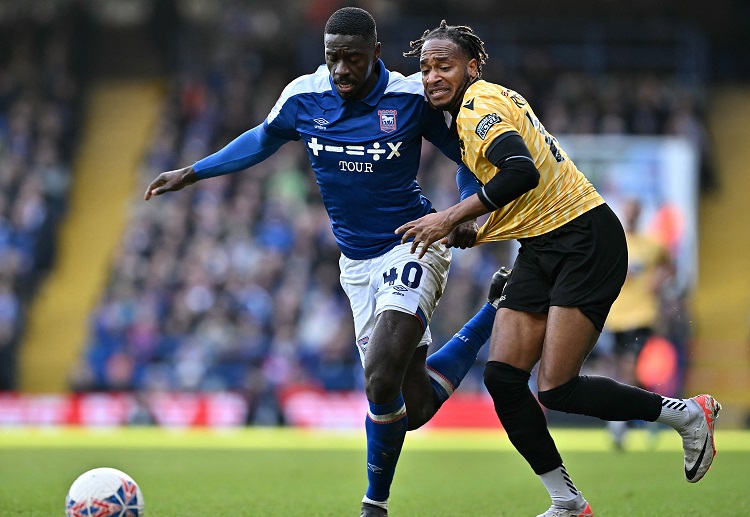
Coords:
pixel 396 280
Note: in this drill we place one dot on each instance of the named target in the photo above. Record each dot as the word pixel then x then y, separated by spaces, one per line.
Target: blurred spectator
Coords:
pixel 38 102
pixel 635 315
pixel 10 319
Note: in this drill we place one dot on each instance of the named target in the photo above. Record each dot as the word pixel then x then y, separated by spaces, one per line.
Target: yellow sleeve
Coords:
pixel 488 117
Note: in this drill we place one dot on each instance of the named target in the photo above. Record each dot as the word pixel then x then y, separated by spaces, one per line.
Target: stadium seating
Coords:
pixel 232 285
pixel 39 103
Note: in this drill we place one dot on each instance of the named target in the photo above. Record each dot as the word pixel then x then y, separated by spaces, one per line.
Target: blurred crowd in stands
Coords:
pixel 232 284
pixel 39 95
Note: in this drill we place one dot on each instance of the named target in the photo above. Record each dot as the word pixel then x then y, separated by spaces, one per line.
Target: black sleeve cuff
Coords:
pixel 486 201
pixel 508 145
pixel 515 177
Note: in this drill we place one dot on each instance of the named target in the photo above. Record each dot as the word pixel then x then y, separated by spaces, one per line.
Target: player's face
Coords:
pixel 351 60
pixel 446 73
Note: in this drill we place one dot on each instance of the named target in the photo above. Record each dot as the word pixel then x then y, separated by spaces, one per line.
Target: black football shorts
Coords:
pixel 580 264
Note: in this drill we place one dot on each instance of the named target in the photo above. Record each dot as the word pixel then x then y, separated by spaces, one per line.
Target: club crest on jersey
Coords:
pixel 387 120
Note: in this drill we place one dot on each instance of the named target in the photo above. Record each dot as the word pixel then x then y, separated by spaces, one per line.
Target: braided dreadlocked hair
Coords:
pixel 461 35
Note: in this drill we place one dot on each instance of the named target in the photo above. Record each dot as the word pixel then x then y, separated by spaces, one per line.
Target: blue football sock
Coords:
pixel 386 428
pixel 448 366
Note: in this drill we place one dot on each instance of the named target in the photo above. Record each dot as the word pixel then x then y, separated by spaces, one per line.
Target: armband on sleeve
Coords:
pixel 516 174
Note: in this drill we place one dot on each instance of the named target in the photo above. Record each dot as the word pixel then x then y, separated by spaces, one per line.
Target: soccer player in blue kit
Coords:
pixel 362 126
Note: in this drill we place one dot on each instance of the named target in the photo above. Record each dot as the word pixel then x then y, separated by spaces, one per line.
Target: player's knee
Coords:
pixel 381 386
pixel 505 382
pixel 561 398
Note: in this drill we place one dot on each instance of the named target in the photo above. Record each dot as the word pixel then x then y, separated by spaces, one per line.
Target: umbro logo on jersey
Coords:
pixel 320 123
pixel 469 104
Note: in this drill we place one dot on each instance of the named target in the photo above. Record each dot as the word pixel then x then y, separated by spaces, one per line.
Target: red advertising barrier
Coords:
pixel 309 408
pixel 471 410
pixel 302 407
pixel 115 409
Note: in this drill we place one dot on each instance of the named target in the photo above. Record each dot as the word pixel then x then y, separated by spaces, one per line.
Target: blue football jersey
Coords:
pixel 365 153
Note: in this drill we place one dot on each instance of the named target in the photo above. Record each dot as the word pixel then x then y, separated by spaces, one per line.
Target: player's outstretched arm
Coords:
pixel 432 227
pixel 170 181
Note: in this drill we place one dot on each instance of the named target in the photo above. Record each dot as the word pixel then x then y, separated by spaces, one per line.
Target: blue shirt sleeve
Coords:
pixel 467 183
pixel 445 139
pixel 436 130
pixel 248 149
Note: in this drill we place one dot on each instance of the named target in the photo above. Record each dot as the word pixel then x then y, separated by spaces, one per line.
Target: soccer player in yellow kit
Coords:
pixel 636 312
pixel 570 267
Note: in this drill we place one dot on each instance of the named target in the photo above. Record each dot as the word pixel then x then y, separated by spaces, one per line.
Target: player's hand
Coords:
pixel 463 236
pixel 425 230
pixel 170 181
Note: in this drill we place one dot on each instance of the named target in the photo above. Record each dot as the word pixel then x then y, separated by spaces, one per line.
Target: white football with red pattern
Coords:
pixel 104 492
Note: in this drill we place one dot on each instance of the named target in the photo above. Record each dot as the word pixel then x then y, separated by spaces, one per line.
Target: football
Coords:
pixel 104 492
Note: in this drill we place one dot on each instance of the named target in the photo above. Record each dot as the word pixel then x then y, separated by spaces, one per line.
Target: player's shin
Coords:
pixel 524 421
pixel 521 416
pixel 604 398
pixel 386 426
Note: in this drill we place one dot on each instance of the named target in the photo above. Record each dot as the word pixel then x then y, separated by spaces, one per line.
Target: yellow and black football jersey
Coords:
pixel 490 110
pixel 638 303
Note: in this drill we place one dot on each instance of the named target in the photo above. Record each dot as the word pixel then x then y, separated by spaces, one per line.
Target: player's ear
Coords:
pixel 473 68
pixel 376 55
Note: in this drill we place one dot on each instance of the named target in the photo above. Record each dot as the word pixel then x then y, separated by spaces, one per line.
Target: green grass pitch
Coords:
pixel 287 472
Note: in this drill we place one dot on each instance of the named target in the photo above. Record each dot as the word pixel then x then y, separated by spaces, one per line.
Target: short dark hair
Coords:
pixel 353 21
pixel 462 35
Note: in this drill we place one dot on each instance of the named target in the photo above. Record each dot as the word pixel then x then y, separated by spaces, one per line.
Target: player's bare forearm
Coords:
pixel 170 181
pixel 432 227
